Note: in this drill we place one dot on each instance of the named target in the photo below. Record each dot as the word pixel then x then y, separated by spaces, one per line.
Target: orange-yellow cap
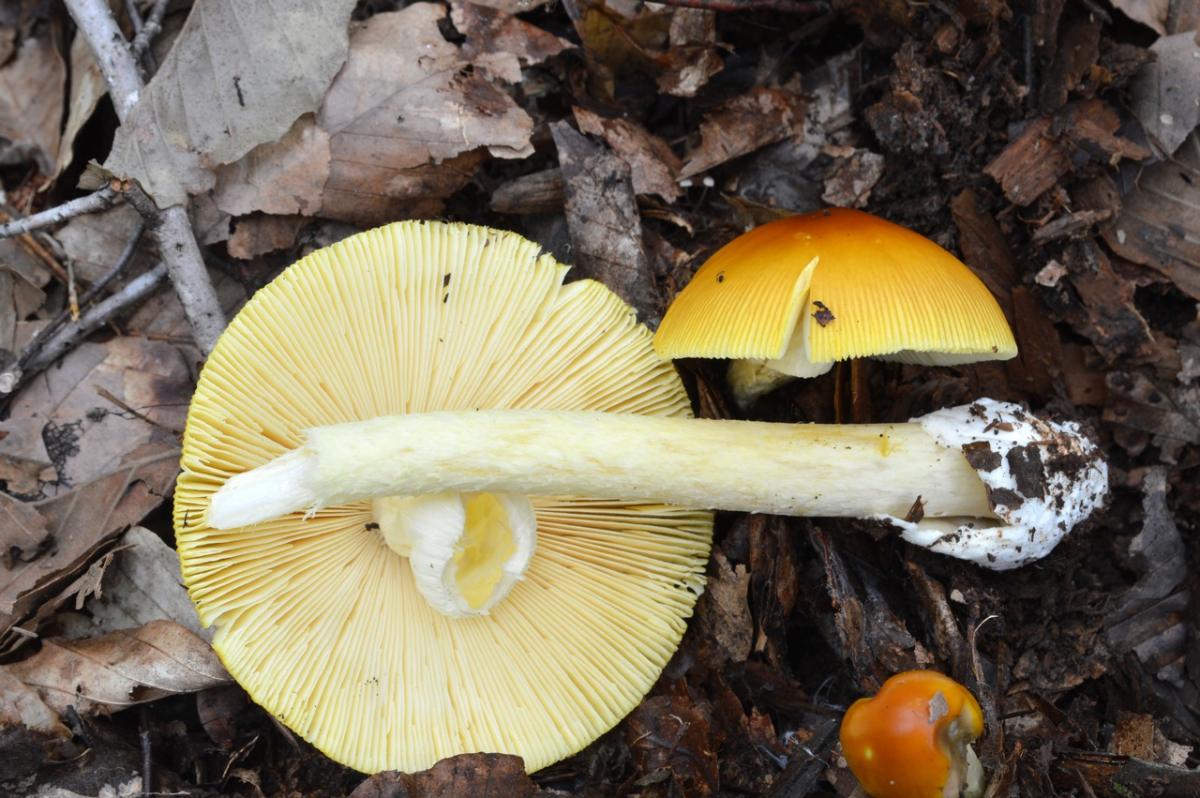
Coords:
pixel 911 739
pixel 852 284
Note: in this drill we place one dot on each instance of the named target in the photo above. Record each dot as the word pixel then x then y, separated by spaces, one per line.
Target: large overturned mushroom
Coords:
pixel 394 633
pixel 372 460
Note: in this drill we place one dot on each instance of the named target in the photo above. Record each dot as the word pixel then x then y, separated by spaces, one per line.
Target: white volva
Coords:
pixel 982 512
pixel 435 531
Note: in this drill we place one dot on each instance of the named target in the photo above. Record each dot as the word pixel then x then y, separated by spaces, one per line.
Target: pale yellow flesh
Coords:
pixel 486 545
pixel 788 469
pixel 319 620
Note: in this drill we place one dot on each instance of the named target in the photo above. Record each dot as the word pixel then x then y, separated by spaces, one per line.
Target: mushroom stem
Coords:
pixel 949 475
pixel 787 469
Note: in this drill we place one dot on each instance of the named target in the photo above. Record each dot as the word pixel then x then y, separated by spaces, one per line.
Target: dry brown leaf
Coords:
pixel 21 706
pixel 403 105
pixel 539 192
pixel 142 585
pixel 257 235
pixel 724 611
pixel 80 523
pixel 24 536
pixel 744 124
pixel 283 177
pixel 652 164
pixel 501 44
pixel 31 92
pixel 676 47
pixel 1159 222
pixel 87 89
pixel 693 56
pixel 1166 92
pixel 121 669
pixel 239 75
pixel 218 708
pixel 602 216
pixel 105 400
pixel 1151 13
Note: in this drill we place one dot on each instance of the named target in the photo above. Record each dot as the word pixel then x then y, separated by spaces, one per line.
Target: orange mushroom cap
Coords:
pixel 911 740
pixel 849 283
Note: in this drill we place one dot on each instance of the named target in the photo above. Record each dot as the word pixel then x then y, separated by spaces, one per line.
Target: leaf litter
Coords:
pixel 1052 145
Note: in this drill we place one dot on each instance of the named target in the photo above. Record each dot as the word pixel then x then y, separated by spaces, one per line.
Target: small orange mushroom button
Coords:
pixel 912 740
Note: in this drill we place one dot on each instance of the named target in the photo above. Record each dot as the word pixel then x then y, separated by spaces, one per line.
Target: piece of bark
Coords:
pixel 602 215
pixel 654 168
pixel 1039 348
pixel 723 613
pixel 984 246
pixel 1077 224
pixel 1031 164
pixel 1077 52
pixel 1037 159
pixel 1107 314
pixel 744 124
pixel 1083 375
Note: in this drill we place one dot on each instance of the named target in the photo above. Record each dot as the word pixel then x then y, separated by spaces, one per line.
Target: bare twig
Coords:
pixel 170 226
pixel 118 266
pixel 150 28
pixel 135 16
pixel 34 348
pixel 98 201
pixel 90 320
pixel 97 24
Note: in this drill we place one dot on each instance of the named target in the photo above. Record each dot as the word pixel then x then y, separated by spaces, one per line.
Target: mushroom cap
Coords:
pixel 910 739
pixel 318 619
pixel 857 285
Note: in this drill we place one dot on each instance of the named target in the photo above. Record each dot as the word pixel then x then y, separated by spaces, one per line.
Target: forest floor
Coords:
pixel 1051 144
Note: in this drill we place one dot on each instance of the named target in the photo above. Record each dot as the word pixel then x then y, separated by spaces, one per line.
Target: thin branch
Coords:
pixel 150 28
pixel 118 266
pixel 35 346
pixel 135 16
pixel 98 201
pixel 97 25
pixel 69 336
pixel 171 226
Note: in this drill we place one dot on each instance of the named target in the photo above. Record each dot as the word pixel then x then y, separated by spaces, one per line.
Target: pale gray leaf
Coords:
pixel 1166 93
pixel 239 75
pixel 142 585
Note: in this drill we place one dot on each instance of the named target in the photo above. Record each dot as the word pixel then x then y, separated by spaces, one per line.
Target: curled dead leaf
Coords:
pixel 121 669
